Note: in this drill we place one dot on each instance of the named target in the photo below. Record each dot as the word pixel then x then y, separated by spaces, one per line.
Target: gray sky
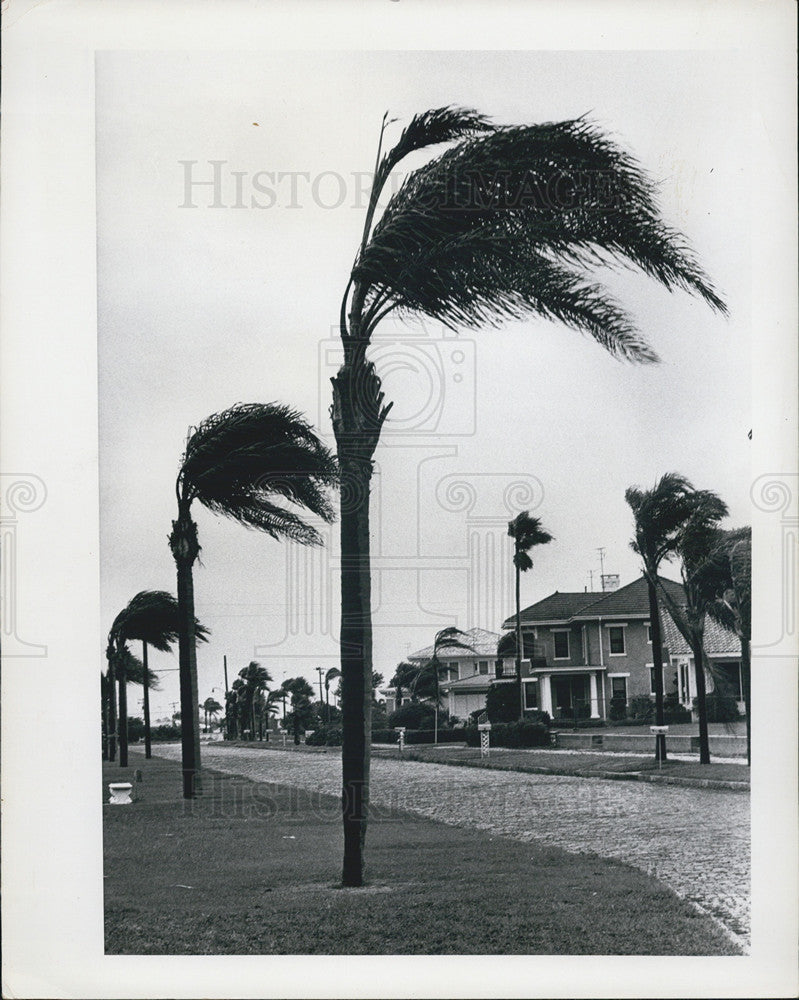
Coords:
pixel 203 307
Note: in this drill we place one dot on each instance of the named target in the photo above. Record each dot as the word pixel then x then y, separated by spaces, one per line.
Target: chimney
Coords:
pixel 610 581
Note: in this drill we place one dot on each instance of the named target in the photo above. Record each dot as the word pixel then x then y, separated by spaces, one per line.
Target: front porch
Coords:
pixel 570 692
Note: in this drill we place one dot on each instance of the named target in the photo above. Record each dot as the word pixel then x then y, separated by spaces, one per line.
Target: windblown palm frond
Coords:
pixel 526 532
pixel 134 670
pixel 152 617
pixel 240 462
pixel 505 224
pixel 660 514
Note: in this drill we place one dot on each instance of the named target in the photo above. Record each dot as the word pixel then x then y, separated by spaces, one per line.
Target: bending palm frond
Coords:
pixel 504 224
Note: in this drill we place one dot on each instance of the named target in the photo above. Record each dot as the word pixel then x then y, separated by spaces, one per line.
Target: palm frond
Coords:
pixel 238 463
pixel 504 225
pixel 152 616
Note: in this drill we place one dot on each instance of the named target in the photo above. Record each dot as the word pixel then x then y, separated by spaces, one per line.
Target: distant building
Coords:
pixel 465 676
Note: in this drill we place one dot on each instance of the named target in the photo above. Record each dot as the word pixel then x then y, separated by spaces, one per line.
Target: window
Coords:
pixel 530 694
pixel 482 666
pixel 616 637
pixel 453 670
pixel 618 688
pixel 561 645
pixel 648 632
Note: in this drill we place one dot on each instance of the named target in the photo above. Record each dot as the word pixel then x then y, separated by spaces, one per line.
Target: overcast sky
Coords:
pixel 201 307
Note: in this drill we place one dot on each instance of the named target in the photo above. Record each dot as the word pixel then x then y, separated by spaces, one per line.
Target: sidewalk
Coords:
pixel 584 764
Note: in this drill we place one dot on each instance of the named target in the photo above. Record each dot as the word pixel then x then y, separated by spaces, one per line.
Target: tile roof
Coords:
pixel 483 643
pixel 632 599
pixel 718 641
pixel 558 607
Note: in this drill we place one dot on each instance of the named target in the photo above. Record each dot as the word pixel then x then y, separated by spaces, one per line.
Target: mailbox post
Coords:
pixel 484 728
pixel 401 740
pixel 657 732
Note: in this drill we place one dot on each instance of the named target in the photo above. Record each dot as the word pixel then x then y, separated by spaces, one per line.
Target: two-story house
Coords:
pixel 589 648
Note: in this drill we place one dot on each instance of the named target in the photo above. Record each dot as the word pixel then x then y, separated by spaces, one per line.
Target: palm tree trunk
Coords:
pixel 657 664
pixel 148 750
pixel 123 714
pixel 104 712
pixel 356 673
pixel 185 549
pixel 701 699
pixel 358 414
pixel 112 711
pixel 746 679
pixel 438 696
pixel 519 689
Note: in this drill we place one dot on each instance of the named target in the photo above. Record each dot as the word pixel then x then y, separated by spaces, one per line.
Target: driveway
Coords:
pixel 695 840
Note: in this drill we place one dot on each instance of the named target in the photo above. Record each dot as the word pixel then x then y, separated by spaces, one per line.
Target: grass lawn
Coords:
pixel 554 762
pixel 251 868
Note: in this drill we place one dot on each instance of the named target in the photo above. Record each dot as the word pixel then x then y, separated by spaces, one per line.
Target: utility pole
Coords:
pixel 591 579
pixel 601 552
pixel 224 660
pixel 320 671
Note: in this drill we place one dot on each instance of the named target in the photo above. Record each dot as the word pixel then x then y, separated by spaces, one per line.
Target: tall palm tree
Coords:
pixel 503 224
pixel 330 676
pixel 246 463
pixel 450 639
pixel 659 514
pixel 123 667
pixel 526 532
pixel 152 617
pixel 729 591
pixel 301 694
pixel 695 544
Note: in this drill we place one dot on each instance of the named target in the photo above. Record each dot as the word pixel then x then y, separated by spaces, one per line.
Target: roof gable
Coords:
pixel 628 601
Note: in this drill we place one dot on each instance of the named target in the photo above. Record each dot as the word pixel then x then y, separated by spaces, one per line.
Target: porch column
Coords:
pixel 594 695
pixel 545 694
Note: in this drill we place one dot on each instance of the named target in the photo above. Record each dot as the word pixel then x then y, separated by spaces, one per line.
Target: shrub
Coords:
pixel 165 734
pixel 414 715
pixel 720 707
pixel 324 736
pixel 618 708
pixel 512 734
pixel 642 707
pixel 135 729
pixel 447 735
pixel 673 711
pixel 502 702
pixel 384 736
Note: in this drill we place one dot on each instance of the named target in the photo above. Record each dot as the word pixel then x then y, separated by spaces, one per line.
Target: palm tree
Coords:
pixel 244 463
pixel 211 707
pixel 729 571
pixel 152 617
pixel 256 679
pixel 124 667
pixel 502 225
pixel 330 676
pixel 695 543
pixel 403 679
pixel 660 514
pixel 301 705
pixel 526 532
pixel 447 639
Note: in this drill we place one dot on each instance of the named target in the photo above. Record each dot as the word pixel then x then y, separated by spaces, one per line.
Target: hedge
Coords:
pixel 512 734
pixel 331 736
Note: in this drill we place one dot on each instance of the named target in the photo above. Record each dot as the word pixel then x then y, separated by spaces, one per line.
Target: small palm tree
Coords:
pixel 402 681
pixel 450 639
pixel 256 680
pixel 301 694
pixel 503 225
pixel 695 544
pixel 151 616
pixel 660 515
pixel 526 533
pixel 247 464
pixel 211 707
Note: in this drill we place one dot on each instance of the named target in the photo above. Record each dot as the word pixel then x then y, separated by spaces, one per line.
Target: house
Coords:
pixel 584 649
pixel 722 648
pixel 465 675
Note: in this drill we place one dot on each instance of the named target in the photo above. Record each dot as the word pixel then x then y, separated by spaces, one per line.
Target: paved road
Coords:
pixel 695 840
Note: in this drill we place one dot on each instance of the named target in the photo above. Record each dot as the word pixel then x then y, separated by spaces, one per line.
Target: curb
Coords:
pixel 655 779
